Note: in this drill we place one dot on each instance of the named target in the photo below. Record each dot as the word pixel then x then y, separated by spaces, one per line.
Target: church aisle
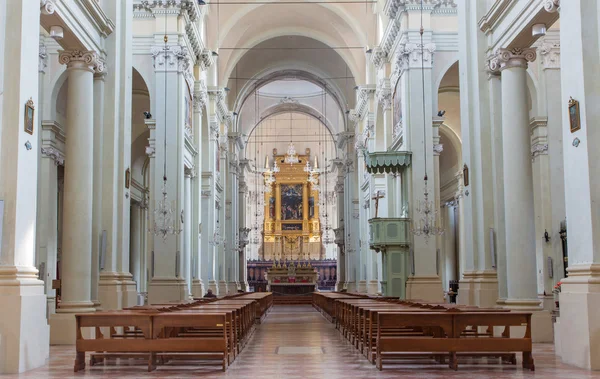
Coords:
pixel 296 342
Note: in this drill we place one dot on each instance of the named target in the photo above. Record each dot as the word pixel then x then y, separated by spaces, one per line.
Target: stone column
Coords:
pixel 518 191
pixel 542 210
pixel 549 51
pixel 170 65
pixel 478 284
pixel 437 150
pixel 136 245
pixel 209 213
pixel 47 193
pixel 243 227
pixel 187 228
pixel 578 327
pixel 222 248
pixel 425 284
pixel 23 327
pixel 200 133
pixel 99 78
pixel 339 232
pixel 495 100
pixel 77 211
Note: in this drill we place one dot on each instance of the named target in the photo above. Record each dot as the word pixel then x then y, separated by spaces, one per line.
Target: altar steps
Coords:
pixel 292 300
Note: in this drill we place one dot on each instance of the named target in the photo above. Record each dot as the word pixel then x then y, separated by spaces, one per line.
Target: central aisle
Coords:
pixel 297 342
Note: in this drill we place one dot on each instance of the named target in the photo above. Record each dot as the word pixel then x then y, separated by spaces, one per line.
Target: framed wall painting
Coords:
pixel 29 113
pixel 574 119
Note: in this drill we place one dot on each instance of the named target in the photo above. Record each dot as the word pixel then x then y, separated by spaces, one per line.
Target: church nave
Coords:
pixel 297 342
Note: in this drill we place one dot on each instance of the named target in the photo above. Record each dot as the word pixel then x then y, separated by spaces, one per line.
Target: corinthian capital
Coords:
pixel 515 57
pixel 550 52
pixel 81 59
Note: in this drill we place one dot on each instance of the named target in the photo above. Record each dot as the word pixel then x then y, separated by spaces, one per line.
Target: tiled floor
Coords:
pixel 296 342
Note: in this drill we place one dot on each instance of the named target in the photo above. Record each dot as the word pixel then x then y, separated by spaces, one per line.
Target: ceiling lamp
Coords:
pixel 427 225
pixel 165 223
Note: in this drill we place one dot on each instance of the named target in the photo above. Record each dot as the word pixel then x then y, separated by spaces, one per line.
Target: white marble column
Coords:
pixel 549 53
pixel 495 100
pixel 99 84
pixel 77 211
pixel 478 285
pixel 199 102
pixel 187 229
pixel 339 232
pixel 518 184
pixel 23 327
pixel 425 284
pixel 518 191
pixel 136 245
pixel 167 283
pixel 578 327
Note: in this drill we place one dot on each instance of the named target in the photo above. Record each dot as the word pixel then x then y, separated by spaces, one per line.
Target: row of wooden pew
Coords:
pixel 204 329
pixel 388 329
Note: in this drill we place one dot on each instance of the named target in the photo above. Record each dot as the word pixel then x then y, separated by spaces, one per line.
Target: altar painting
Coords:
pixel 291 201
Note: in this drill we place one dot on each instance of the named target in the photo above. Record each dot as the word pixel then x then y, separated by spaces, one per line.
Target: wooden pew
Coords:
pixel 451 338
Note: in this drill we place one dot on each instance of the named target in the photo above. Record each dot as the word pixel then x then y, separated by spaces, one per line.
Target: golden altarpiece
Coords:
pixel 291 228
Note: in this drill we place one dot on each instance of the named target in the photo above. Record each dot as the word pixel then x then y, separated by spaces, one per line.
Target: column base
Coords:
pixel 50 305
pixel 232 287
pixel 222 290
pixel 213 286
pixel 339 286
pixel 164 290
pixel 426 288
pixel 373 287
pixel 362 286
pixel 198 288
pixel 97 305
pixel 24 328
pixel 478 288
pixel 541 320
pixel 244 286
pixel 110 290
pixel 350 286
pixel 577 330
pixel 128 289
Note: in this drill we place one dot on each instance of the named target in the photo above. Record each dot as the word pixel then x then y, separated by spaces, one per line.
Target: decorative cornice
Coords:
pixel 552 6
pixel 550 52
pixel 53 153
pixel 392 7
pixel 88 58
pixel 378 57
pixel 43 58
pixel 515 57
pixel 363 93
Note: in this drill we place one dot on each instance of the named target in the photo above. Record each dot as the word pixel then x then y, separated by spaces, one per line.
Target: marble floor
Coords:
pixel 296 342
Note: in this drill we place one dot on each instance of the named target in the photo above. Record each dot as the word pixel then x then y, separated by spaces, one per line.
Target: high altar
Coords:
pixel 292 228
pixel 289 278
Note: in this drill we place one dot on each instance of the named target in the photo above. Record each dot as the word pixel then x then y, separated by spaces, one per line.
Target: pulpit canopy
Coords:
pixel 387 161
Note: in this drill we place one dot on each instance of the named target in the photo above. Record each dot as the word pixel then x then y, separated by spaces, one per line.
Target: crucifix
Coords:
pixel 378 195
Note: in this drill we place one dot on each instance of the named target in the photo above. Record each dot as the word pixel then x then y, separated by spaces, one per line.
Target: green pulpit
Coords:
pixel 391 237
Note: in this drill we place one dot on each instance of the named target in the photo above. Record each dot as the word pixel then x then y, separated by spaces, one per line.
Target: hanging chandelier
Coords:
pixel 165 223
pixel 427 225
